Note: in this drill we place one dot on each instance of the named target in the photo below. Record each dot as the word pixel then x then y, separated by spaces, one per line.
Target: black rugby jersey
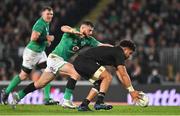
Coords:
pixel 105 55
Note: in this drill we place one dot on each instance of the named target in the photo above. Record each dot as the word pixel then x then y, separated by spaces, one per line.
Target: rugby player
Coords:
pixel 34 55
pixel 90 65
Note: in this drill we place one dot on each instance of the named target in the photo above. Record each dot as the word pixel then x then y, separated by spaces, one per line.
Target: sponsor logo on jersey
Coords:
pixel 75 48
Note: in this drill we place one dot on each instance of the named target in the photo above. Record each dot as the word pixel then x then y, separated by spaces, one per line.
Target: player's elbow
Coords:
pixel 35 35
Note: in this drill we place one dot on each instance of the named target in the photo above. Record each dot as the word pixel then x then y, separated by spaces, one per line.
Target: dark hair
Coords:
pixel 89 23
pixel 46 8
pixel 128 43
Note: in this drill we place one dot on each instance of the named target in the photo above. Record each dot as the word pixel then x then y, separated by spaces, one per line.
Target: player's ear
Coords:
pixel 42 13
pixel 82 27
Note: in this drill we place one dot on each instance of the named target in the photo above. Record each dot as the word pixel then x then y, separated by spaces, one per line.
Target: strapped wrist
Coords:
pixel 130 88
pixel 72 30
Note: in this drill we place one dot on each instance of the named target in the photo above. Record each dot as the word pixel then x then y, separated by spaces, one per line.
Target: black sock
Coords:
pixel 30 88
pixel 100 98
pixel 71 84
pixel 85 102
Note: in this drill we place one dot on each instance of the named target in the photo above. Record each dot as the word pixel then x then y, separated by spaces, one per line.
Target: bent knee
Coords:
pixel 75 76
pixel 23 75
pixel 72 72
pixel 39 84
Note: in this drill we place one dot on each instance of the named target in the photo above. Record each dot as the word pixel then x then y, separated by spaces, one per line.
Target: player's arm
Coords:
pixel 125 80
pixel 94 42
pixel 68 29
pixel 50 38
pixel 35 35
pixel 103 44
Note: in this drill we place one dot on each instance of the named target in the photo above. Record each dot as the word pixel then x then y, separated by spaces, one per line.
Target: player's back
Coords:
pixel 105 55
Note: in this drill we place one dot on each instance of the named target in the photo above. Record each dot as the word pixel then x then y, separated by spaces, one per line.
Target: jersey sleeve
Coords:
pixel 119 58
pixel 38 27
pixel 94 42
pixel 69 36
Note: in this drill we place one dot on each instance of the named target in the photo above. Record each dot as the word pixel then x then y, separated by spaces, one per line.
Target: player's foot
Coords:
pixel 51 102
pixel 15 100
pixel 4 97
pixel 84 108
pixel 102 106
pixel 68 104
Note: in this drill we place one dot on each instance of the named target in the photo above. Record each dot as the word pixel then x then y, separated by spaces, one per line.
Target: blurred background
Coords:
pixel 154 25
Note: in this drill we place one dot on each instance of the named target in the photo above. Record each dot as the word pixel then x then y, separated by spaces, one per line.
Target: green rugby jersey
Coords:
pixel 43 28
pixel 71 43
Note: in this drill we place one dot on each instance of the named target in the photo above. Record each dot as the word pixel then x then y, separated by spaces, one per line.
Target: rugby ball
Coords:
pixel 143 101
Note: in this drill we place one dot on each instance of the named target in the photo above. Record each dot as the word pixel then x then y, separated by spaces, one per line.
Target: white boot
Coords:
pixel 68 104
pixel 15 100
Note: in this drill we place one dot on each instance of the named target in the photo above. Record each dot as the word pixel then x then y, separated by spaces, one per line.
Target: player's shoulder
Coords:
pixel 67 35
pixel 116 50
pixel 91 37
pixel 40 22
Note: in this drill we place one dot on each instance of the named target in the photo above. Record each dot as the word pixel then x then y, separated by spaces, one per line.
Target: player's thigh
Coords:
pixel 69 70
pixel 45 78
pixel 85 67
pixel 102 73
pixel 30 59
pixel 54 63
pixel 42 61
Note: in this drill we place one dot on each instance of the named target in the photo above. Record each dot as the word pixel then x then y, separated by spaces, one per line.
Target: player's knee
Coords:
pixel 97 85
pixel 39 84
pixel 23 75
pixel 106 75
pixel 75 76
pixel 72 72
pixel 26 70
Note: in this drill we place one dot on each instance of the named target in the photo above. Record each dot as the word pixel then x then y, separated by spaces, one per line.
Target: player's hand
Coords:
pixel 135 96
pixel 50 38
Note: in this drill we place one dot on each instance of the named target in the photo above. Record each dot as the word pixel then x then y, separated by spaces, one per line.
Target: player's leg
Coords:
pixel 106 80
pixel 86 68
pixel 102 86
pixel 68 70
pixel 42 65
pixel 93 92
pixel 45 78
pixel 14 83
pixel 47 89
pixel 79 63
pixel 57 64
pixel 29 60
pixel 53 65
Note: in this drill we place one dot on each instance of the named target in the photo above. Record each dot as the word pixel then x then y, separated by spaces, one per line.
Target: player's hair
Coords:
pixel 46 8
pixel 87 22
pixel 128 43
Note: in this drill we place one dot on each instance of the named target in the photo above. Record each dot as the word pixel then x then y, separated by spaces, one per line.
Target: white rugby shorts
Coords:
pixel 54 63
pixel 31 58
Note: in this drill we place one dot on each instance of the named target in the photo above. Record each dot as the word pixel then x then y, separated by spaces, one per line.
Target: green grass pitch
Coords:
pixel 117 110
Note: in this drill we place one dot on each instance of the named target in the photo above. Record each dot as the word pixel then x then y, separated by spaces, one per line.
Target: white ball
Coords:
pixel 144 101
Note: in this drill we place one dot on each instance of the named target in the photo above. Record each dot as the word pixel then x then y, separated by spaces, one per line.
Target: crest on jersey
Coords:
pixel 75 48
